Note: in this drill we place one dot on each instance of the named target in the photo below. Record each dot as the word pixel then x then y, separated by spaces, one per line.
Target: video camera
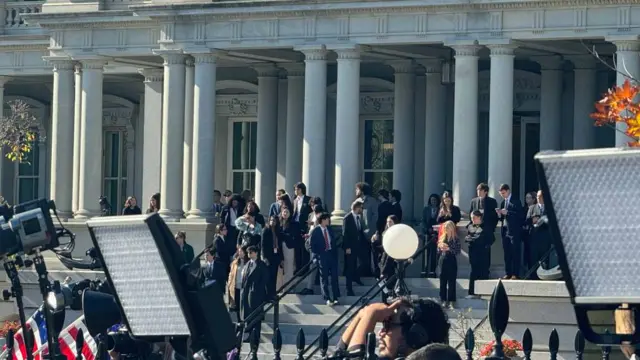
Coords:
pixel 29 228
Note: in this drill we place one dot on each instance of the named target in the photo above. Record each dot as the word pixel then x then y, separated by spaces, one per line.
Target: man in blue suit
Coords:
pixel 323 248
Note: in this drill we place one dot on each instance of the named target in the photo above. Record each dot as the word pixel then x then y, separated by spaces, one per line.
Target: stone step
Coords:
pixel 461 303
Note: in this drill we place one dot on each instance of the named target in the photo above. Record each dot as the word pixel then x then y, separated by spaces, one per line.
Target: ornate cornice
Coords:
pixel 207 58
pixel 93 64
pixel 348 54
pixel 551 62
pixel 585 62
pixel 627 45
pixel 266 70
pixel 502 50
pixel 60 63
pixel 171 57
pixel 466 50
pixel 293 69
pixel 189 61
pixel 152 75
pixel 294 8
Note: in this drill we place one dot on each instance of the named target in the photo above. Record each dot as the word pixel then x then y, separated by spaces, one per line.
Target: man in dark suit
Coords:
pixel 477 239
pixel 486 205
pixel 512 216
pixel 385 209
pixel 323 248
pixel 395 196
pixel 300 214
pixel 540 240
pixel 254 287
pixel 274 209
pixel 215 270
pixel 352 242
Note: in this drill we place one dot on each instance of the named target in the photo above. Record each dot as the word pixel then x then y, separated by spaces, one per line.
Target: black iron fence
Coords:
pixel 498 319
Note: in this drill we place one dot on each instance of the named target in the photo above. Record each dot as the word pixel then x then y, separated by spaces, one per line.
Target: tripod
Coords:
pixel 45 288
pixel 16 292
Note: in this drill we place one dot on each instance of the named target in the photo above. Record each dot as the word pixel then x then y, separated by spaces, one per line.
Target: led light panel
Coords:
pixel 595 198
pixel 140 279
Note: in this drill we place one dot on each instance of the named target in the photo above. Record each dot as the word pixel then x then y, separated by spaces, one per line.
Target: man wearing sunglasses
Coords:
pixel 406 327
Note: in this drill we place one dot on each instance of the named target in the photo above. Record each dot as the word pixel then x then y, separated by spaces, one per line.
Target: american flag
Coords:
pixel 66 340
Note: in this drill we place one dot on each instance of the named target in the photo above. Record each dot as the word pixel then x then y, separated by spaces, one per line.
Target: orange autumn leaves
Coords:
pixel 619 105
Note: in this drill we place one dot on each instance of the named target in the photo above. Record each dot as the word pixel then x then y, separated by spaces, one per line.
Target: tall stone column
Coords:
pixel 500 117
pixel 314 144
pixel 435 129
pixel 204 136
pixel 628 66
pixel 550 102
pixel 77 138
pixel 267 137
pixel 295 124
pixel 188 134
pixel 61 136
pixel 347 167
pixel 90 186
pixel 465 124
pixel 403 128
pixel 173 104
pixel 152 137
pixel 584 96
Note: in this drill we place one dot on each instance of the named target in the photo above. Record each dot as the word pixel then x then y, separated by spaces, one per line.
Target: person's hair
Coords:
pixel 220 227
pixel 323 216
pixel 483 186
pixel 384 193
pixel 356 205
pixel 534 196
pixel 504 187
pixel 252 249
pixel 244 250
pixel 435 351
pixel 431 317
pixel 434 196
pixel 256 209
pixel 446 195
pixel 625 323
pixel 182 235
pixel 213 252
pixel 286 201
pixel 396 194
pixel 318 209
pixel 446 227
pixel 217 192
pixel 393 218
pixel 281 192
pixel 302 187
pixel 477 213
pixel 316 200
pixel 284 222
pixel 364 188
pixel 228 193
pixel 274 218
pixel 155 197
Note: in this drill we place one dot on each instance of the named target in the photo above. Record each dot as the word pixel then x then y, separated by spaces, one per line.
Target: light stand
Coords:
pixel 16 292
pixel 45 288
pixel 400 242
pixel 401 289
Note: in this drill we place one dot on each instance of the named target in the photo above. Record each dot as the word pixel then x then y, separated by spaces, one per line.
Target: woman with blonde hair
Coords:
pixel 448 248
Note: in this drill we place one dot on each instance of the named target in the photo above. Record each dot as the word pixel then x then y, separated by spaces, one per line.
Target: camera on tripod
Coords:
pixel 29 229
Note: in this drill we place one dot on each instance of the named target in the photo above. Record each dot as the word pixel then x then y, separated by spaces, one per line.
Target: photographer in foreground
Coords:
pixel 407 327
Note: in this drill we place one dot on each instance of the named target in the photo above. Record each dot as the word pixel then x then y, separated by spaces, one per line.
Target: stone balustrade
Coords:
pixel 12 13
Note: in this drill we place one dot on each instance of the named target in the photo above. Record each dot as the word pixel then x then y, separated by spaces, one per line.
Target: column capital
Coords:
pixel 152 75
pixel 93 64
pixel 627 45
pixel 266 70
pixel 293 69
pixel 189 61
pixel 206 58
pixel 59 62
pixel 502 49
pixel 549 62
pixel 171 57
pixel 431 66
pixel 4 80
pixel 313 52
pixel 78 67
pixel 348 52
pixel 466 50
pixel 586 62
pixel 402 66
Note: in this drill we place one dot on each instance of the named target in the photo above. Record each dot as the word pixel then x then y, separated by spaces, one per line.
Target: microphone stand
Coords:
pixel 16 292
pixel 45 288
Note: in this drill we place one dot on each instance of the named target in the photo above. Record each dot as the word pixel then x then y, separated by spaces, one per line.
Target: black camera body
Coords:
pixel 124 344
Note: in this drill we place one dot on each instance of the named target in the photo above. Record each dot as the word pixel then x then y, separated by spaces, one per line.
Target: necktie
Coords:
pixel 327 245
pixel 358 222
pixel 541 209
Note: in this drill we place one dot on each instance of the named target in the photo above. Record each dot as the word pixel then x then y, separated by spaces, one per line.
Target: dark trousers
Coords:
pixel 478 260
pixel 350 269
pixel 432 257
pixel 448 276
pixel 237 303
pixel 273 278
pixel 301 257
pixel 512 247
pixel 364 258
pixel 329 266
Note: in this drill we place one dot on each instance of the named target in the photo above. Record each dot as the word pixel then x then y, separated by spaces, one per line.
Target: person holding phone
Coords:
pixel 511 215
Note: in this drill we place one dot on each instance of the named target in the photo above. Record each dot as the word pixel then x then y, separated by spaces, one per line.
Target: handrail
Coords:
pixel 362 302
pixel 265 306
